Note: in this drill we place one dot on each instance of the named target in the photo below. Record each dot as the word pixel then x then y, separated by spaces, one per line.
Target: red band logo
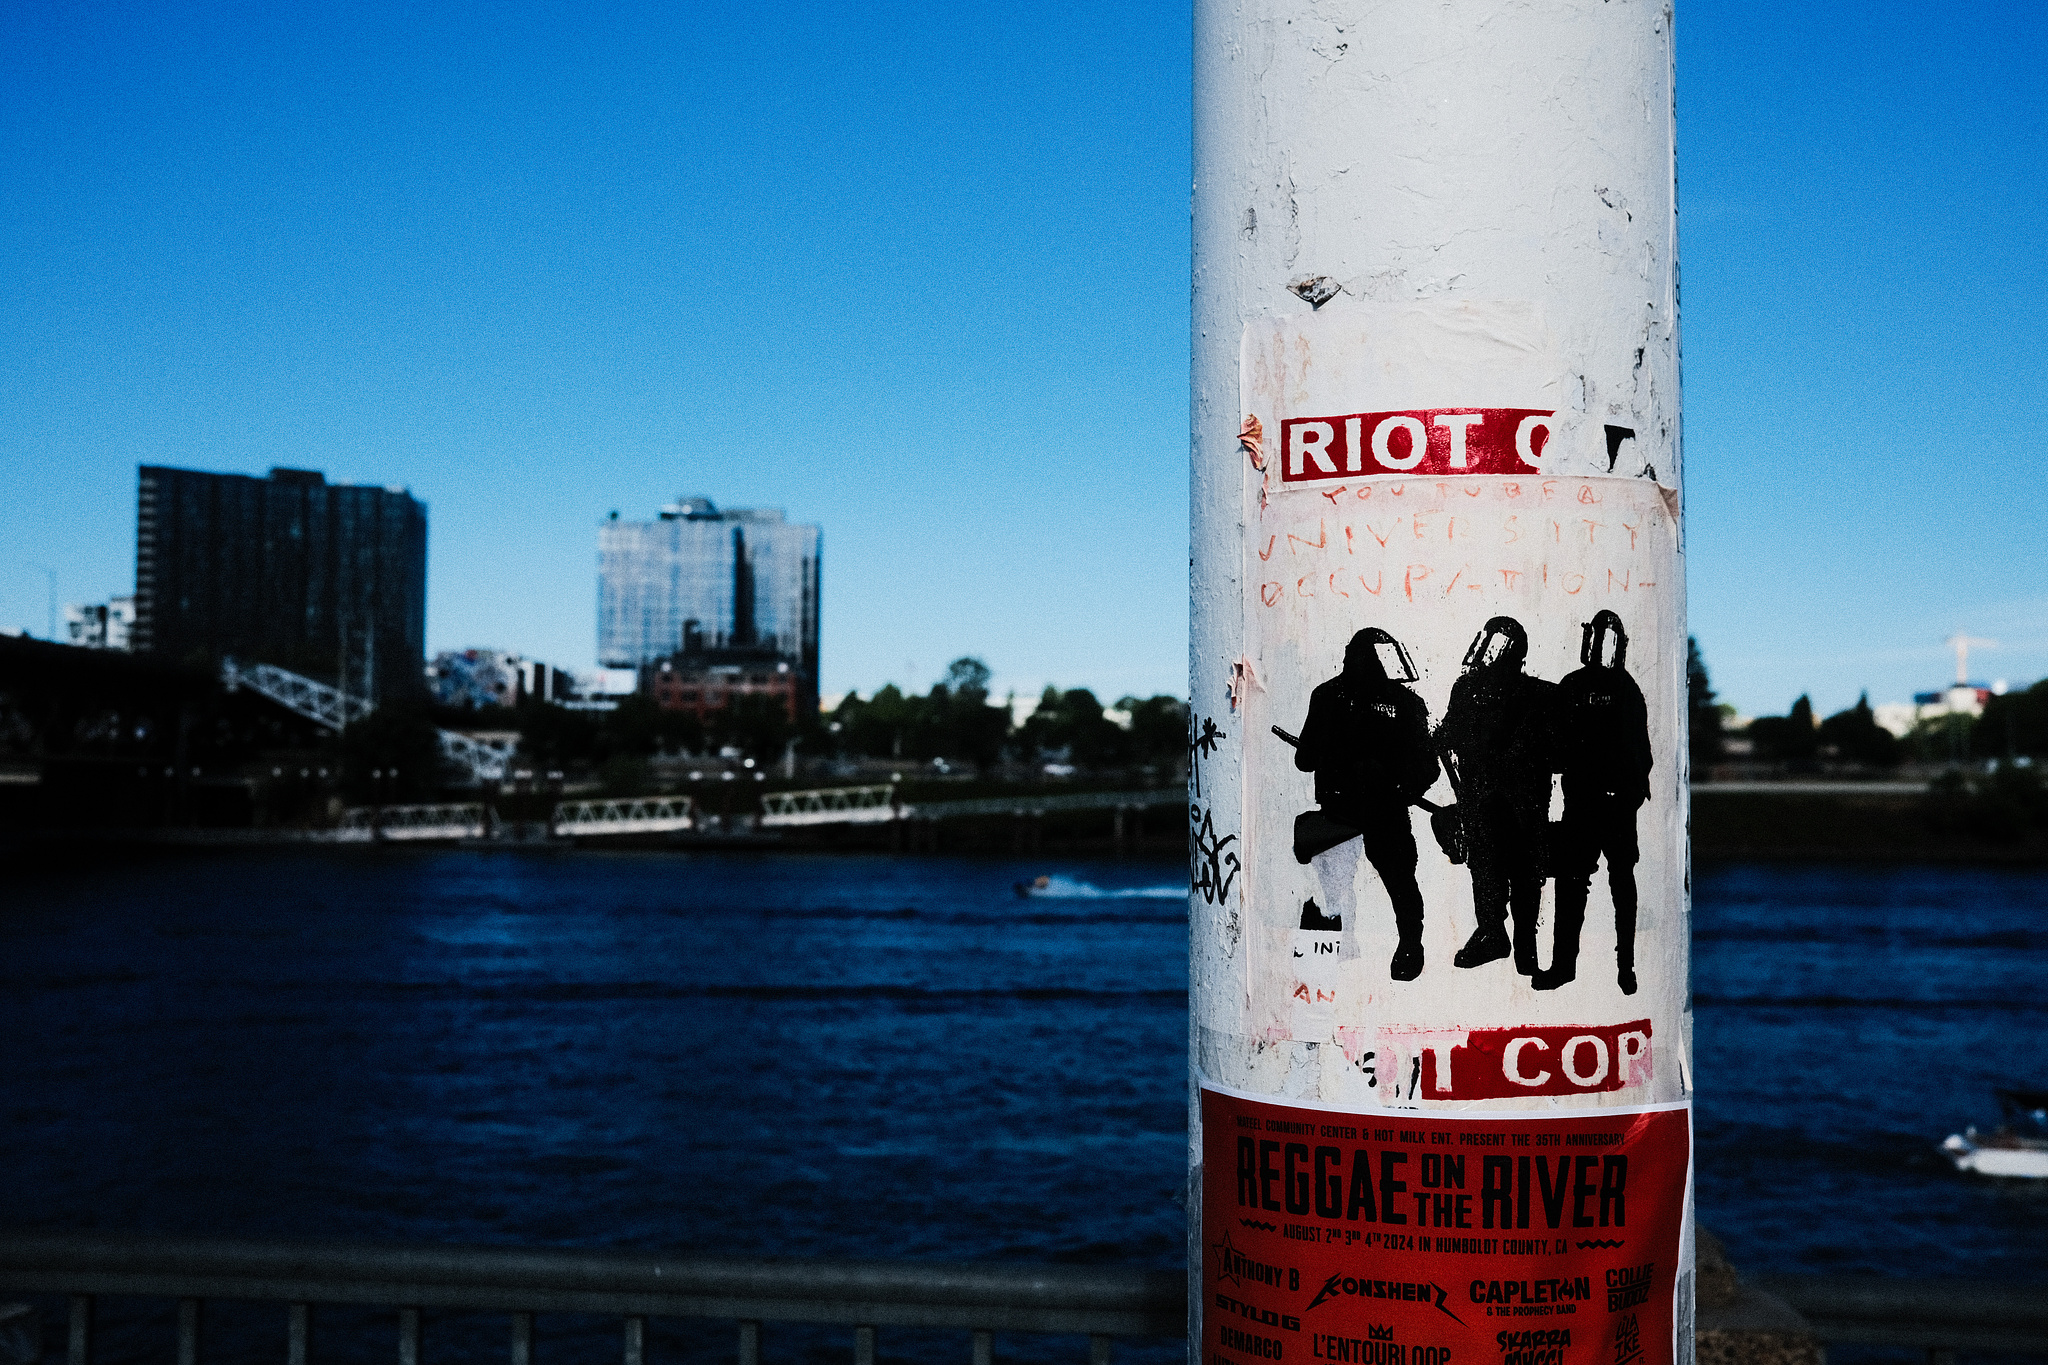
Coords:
pixel 1426 442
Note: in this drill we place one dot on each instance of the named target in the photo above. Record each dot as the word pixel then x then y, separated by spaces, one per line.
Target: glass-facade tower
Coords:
pixel 703 585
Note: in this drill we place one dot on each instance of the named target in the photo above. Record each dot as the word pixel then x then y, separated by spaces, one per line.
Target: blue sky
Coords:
pixel 919 273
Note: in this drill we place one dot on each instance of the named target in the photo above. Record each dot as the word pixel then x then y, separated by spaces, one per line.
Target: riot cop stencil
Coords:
pixel 1603 752
pixel 1366 740
pixel 1433 463
pixel 1496 743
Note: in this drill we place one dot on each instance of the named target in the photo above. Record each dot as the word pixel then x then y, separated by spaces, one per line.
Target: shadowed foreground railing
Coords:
pixel 1099 1302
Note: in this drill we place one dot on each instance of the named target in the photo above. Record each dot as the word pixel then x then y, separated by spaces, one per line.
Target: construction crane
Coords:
pixel 483 760
pixel 1961 644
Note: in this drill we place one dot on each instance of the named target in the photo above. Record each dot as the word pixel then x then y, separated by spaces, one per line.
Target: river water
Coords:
pixel 882 1057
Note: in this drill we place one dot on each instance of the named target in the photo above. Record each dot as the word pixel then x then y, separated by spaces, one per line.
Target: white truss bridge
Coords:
pixel 401 824
pixel 878 805
pixel 358 826
pixel 829 806
pixel 1045 803
pixel 316 701
pixel 635 815
pixel 482 758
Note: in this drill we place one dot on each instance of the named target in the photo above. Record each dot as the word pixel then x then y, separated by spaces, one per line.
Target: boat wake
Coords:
pixel 1066 888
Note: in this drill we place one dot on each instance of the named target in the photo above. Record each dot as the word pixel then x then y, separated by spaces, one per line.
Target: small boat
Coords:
pixel 2018 1147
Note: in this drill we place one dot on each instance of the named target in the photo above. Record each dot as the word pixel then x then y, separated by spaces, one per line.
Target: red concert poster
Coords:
pixel 1408 1238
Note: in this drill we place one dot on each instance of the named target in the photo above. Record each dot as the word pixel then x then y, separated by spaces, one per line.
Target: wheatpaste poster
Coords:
pixel 1460 870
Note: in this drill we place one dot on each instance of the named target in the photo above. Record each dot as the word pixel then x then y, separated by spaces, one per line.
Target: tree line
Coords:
pixel 956 724
pixel 2012 728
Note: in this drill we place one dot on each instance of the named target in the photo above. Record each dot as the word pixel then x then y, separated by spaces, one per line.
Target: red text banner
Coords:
pixel 1424 442
pixel 1570 1059
pixel 1403 1239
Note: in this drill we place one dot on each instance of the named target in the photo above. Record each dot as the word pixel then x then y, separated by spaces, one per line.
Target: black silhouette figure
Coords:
pixel 1496 739
pixel 1603 750
pixel 1367 741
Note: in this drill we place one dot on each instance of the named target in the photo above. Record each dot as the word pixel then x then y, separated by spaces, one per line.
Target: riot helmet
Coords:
pixel 1375 656
pixel 1501 643
pixel 1603 643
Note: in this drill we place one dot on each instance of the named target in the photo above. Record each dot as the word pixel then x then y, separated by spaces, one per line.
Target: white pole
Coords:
pixel 1441 1062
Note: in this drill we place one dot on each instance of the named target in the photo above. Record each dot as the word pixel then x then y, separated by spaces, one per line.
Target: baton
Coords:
pixel 1294 741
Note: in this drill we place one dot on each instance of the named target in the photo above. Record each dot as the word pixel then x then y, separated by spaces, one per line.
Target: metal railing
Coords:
pixel 877 805
pixel 829 806
pixel 447 820
pixel 358 825
pixel 1099 1302
pixel 1035 804
pixel 1801 787
pixel 469 820
pixel 1940 1317
pixel 626 815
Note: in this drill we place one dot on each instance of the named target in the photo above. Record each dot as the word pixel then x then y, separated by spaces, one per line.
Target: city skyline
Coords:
pixel 1982 672
pixel 920 276
pixel 2025 612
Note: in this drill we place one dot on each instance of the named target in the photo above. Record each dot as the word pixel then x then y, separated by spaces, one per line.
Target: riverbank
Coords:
pixel 1746 821
pixel 1884 823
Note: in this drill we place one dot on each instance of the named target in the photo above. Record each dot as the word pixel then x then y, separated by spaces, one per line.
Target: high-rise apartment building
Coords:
pixel 329 580
pixel 706 590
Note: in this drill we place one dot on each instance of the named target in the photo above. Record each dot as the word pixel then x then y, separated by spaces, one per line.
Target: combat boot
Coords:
pixel 1489 943
pixel 1407 963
